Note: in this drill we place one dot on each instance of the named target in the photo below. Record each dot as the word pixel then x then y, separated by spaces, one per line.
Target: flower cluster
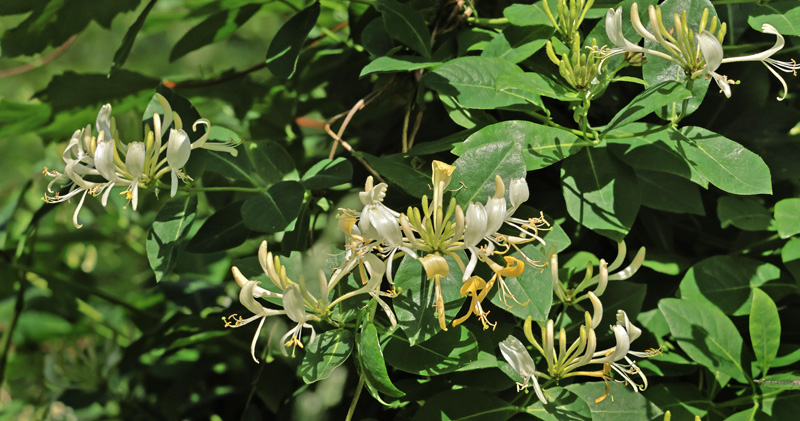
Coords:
pixel 563 361
pixel 95 164
pixel 698 52
pixel 377 235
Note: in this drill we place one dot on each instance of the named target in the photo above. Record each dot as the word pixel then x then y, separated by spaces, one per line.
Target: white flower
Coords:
pixel 178 150
pixel 616 35
pixel 247 296
pixel 134 164
pixel 712 52
pixel 295 308
pixel 520 360
pixel 766 58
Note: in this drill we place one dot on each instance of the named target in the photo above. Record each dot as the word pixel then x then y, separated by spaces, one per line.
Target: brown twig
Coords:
pixel 40 62
pixel 348 115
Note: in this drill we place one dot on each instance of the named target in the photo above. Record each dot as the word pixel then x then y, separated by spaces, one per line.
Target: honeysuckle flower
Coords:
pixel 475 287
pixel 436 268
pixel 381 223
pixel 615 34
pixel 517 356
pixel 712 51
pixel 178 150
pixel 376 270
pixel 565 294
pixel 295 308
pixel 134 164
pixel 625 333
pixel 247 296
pixel 103 121
pixel 96 164
pixel 513 268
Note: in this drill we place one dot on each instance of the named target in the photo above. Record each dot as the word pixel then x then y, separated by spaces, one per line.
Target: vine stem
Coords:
pixel 352 409
pixel 210 189
pixel 40 62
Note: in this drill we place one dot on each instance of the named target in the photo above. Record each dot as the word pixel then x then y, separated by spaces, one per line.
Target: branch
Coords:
pixel 40 62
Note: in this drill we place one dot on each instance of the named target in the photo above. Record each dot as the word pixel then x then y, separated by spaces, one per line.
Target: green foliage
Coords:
pixel 305 100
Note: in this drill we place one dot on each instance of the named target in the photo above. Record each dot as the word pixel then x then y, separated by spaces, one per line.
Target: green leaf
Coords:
pixel 399 169
pixel 783 15
pixel 273 210
pixel 215 28
pixel 397 64
pixel 231 167
pixel 70 90
pixel 706 335
pixel 765 329
pixel 745 213
pixel 790 256
pixel 600 192
pixel 21 117
pixel 682 400
pixel 221 231
pixel 444 353
pixel 51 23
pixel 787 217
pixel 653 151
pixel 727 282
pixel 656 70
pixel 374 366
pixel 527 15
pixel 725 163
pixel 652 99
pixel 271 161
pixel 330 350
pixel 328 173
pixel 476 168
pixel 517 43
pixel 298 239
pixel 534 289
pixel 668 192
pixel 414 307
pixel 530 86
pixel 465 404
pixel 126 44
pixel 406 25
pixel 467 118
pixel 170 227
pixel 541 145
pixel 561 404
pixel 376 39
pixel 285 47
pixel 472 81
pixel 627 405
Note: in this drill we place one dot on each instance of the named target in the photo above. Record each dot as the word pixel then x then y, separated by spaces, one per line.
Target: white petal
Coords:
pixel 293 304
pixel 518 192
pixel 134 160
pixel 711 49
pixel 475 224
pixel 178 149
pixel 103 122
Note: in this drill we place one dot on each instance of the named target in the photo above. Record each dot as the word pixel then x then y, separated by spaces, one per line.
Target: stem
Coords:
pixel 231 188
pixel 747 399
pixel 6 346
pixel 352 409
pixel 488 21
pixel 40 62
pixel 721 2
